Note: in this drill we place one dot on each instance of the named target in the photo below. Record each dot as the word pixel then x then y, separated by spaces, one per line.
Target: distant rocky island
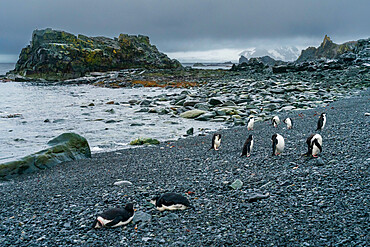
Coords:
pixel 58 55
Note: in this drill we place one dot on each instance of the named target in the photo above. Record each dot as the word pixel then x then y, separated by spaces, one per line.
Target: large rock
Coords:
pixel 66 147
pixel 192 113
pixel 243 59
pixel 328 49
pixel 55 55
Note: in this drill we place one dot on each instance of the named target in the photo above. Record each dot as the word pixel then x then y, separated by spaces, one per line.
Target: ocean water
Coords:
pixel 209 66
pixel 31 115
pixel 5 67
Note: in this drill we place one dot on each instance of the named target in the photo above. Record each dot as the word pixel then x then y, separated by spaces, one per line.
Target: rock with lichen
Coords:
pixel 58 55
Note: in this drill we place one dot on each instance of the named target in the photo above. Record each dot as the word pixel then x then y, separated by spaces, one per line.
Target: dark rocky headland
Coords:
pixel 257 201
pixel 58 55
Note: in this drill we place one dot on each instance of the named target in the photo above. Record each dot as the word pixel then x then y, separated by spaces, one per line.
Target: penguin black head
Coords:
pixel 250 137
pixel 154 200
pixel 130 207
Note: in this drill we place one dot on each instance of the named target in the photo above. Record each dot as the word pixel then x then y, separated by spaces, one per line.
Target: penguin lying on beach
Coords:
pixel 248 145
pixel 277 144
pixel 275 121
pixel 250 124
pixel 171 201
pixel 322 121
pixel 314 143
pixel 289 123
pixel 216 141
pixel 115 217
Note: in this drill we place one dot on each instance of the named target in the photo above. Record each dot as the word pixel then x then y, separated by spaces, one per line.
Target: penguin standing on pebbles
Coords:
pixel 278 144
pixel 322 121
pixel 250 124
pixel 171 201
pixel 216 141
pixel 248 145
pixel 314 143
pixel 115 217
pixel 289 123
pixel 275 121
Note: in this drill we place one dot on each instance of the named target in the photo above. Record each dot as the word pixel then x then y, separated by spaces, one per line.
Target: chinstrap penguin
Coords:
pixel 289 123
pixel 171 201
pixel 250 124
pixel 248 145
pixel 277 144
pixel 275 121
pixel 314 143
pixel 115 217
pixel 216 141
pixel 322 121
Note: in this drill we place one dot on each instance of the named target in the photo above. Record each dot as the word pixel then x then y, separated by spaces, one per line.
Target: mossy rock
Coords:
pixel 66 147
pixel 58 55
pixel 142 141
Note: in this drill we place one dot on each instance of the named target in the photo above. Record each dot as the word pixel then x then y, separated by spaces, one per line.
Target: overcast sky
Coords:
pixel 190 27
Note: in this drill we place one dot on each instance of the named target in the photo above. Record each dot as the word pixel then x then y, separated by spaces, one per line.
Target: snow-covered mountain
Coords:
pixel 284 53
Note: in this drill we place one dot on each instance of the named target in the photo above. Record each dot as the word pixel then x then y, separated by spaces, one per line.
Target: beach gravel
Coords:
pixel 298 201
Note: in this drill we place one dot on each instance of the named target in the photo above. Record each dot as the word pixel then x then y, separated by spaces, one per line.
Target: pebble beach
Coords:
pixel 311 202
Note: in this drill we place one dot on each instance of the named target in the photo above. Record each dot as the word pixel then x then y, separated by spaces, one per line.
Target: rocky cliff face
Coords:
pixel 328 49
pixel 55 55
pixel 352 56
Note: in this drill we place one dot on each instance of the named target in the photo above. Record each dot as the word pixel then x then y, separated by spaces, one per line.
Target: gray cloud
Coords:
pixel 190 25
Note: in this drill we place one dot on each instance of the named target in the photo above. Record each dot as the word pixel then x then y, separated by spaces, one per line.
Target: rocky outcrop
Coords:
pixel 257 64
pixel 55 55
pixel 66 147
pixel 243 59
pixel 328 50
pixel 330 56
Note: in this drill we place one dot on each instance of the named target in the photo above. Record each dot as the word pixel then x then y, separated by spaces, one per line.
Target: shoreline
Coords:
pixel 228 100
pixel 310 204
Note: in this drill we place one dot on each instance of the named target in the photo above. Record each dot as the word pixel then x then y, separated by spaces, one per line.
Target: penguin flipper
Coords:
pixel 114 222
pixel 248 148
pixel 318 145
pixel 274 143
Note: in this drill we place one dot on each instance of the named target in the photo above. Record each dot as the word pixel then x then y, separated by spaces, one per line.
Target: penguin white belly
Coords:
pixel 250 124
pixel 280 145
pixel 217 143
pixel 315 149
pixel 276 121
pixel 172 207
pixel 289 123
pixel 121 223
pixel 251 147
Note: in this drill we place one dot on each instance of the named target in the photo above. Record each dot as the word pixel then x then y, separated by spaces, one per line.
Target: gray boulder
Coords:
pixel 66 147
